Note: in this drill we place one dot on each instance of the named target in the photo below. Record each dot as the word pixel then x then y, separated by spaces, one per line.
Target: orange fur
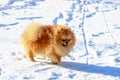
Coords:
pixel 53 41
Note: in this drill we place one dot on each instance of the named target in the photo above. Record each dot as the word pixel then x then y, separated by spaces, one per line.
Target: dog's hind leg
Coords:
pixel 30 54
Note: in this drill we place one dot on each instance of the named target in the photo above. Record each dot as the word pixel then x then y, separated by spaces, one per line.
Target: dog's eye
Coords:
pixel 63 40
pixel 68 39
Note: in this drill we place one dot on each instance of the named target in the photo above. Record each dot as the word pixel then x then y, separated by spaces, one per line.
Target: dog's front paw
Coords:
pixel 55 62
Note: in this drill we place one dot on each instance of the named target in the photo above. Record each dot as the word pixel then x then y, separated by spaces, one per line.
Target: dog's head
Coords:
pixel 65 37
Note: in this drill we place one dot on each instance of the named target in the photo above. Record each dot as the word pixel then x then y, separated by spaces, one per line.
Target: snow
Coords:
pixel 95 56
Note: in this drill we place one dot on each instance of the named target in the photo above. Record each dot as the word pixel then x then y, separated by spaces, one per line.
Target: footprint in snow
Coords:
pixel 54 76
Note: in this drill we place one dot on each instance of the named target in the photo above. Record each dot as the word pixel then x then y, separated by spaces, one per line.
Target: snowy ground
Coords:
pixel 96 24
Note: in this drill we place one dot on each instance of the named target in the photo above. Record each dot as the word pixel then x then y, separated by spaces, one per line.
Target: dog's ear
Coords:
pixel 65 30
pixel 60 28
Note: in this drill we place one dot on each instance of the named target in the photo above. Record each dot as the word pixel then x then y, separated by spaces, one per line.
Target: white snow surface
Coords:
pixel 95 56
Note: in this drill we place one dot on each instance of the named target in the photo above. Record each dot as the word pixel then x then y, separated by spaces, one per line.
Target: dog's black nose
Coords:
pixel 66 43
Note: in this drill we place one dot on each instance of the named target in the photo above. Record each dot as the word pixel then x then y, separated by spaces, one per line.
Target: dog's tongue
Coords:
pixel 64 44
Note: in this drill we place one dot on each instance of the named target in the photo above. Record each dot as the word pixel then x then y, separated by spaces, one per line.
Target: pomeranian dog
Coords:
pixel 52 41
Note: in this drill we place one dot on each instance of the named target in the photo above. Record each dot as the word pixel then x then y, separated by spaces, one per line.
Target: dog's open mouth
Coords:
pixel 65 44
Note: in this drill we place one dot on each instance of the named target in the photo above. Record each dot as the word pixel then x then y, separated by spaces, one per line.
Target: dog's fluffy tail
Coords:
pixel 33 31
pixel 37 34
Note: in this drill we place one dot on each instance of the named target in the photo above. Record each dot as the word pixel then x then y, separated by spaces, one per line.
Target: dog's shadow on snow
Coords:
pixel 107 70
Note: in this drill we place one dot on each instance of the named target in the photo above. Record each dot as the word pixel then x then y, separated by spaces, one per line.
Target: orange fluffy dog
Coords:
pixel 52 41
